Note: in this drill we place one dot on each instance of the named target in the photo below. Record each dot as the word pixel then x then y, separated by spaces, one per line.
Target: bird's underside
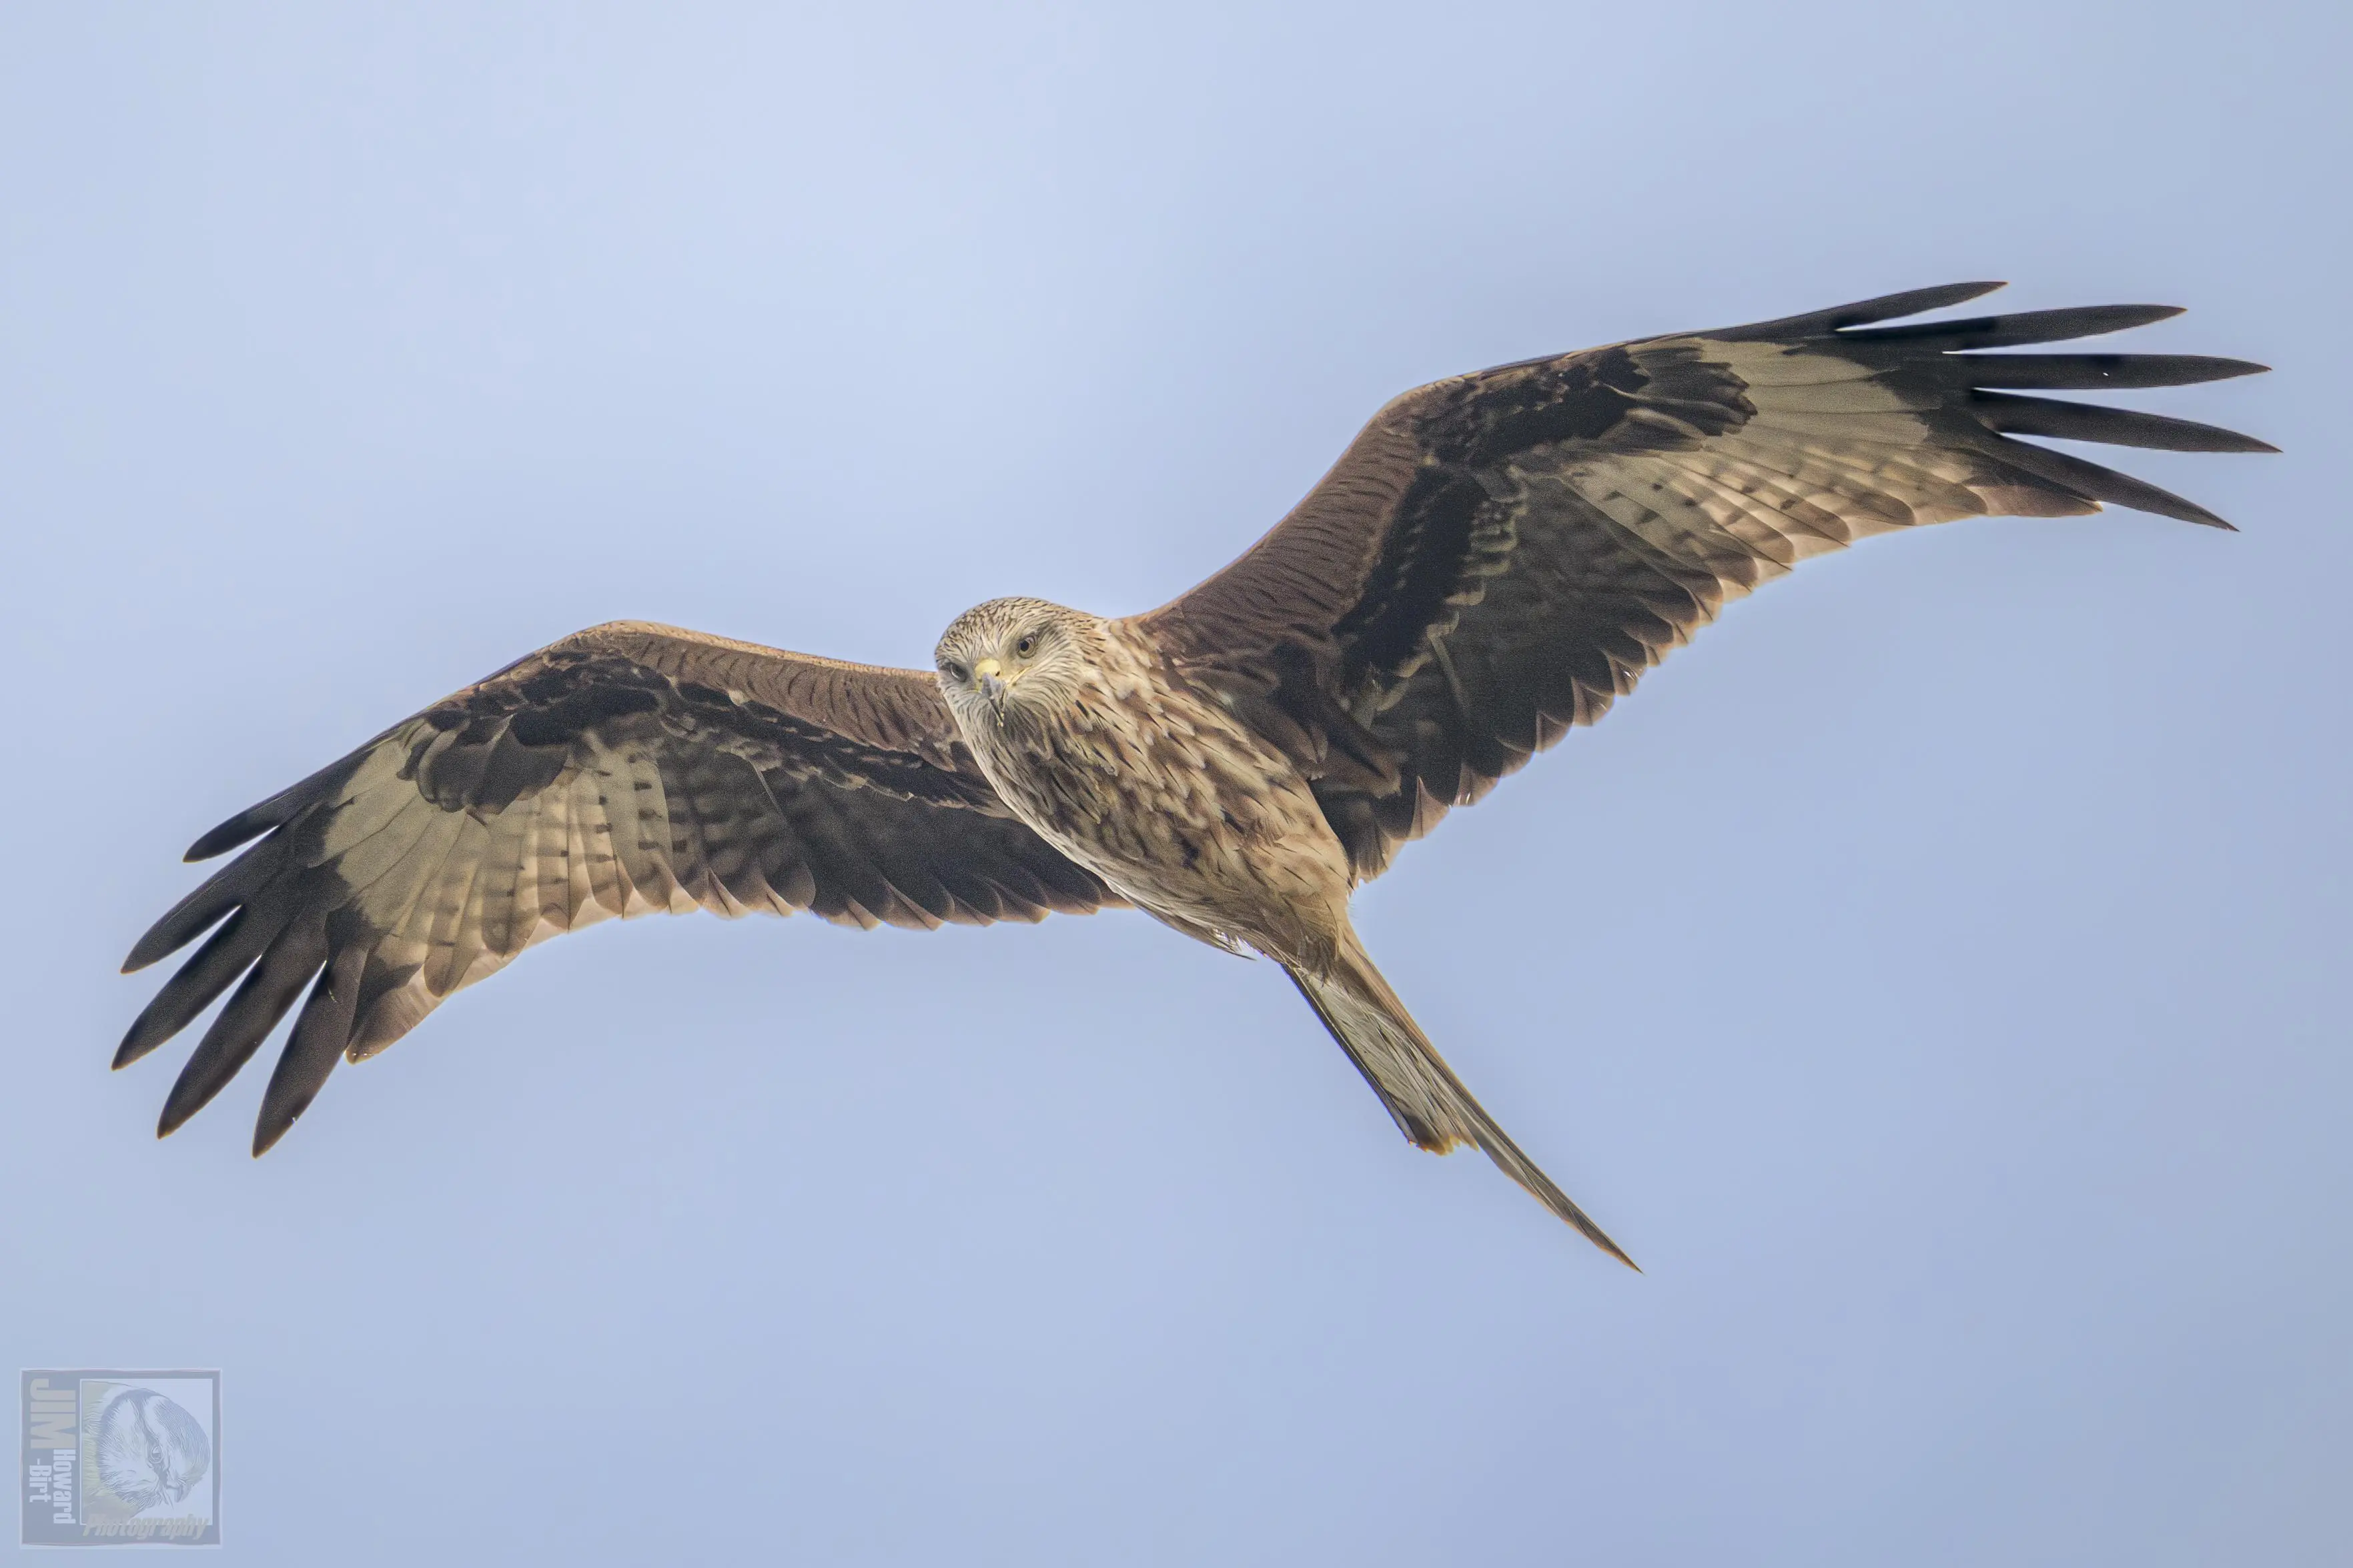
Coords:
pixel 1494 558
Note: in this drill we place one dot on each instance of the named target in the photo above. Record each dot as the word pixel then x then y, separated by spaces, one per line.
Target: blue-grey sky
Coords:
pixel 1935 976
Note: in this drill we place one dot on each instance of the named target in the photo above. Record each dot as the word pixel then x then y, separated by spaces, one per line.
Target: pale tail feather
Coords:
pixel 1429 1103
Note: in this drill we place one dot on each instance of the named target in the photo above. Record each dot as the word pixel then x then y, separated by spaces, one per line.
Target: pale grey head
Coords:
pixel 1010 663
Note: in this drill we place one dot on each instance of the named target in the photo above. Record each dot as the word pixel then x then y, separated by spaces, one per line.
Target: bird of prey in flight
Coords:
pixel 1496 558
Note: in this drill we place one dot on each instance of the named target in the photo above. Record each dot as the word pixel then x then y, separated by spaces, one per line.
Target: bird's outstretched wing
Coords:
pixel 1498 556
pixel 628 770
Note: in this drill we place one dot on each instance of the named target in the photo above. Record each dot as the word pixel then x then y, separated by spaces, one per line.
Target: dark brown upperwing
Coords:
pixel 1498 556
pixel 628 770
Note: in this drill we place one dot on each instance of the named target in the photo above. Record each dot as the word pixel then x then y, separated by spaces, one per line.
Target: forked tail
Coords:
pixel 1429 1103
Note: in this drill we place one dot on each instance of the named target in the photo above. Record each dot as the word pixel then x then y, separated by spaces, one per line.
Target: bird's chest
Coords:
pixel 1169 799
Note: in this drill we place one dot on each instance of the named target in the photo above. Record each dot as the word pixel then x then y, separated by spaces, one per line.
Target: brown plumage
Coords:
pixel 1496 558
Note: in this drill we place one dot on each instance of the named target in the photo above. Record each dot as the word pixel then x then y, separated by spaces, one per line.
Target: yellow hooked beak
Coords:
pixel 990 675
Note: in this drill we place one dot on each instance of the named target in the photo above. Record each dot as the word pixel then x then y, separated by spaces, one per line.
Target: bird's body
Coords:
pixel 1153 784
pixel 1495 559
pixel 1121 760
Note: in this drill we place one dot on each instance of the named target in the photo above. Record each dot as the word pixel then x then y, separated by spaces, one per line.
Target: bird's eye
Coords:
pixel 956 672
pixel 1025 646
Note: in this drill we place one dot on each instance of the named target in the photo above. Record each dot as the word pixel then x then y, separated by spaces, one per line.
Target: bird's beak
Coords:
pixel 990 674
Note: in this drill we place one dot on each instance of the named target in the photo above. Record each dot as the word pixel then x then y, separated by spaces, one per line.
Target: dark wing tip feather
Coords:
pixel 278 810
pixel 2063 421
pixel 224 955
pixel 2019 327
pixel 2092 371
pixel 2074 476
pixel 245 825
pixel 300 1075
pixel 1910 302
pixel 1886 307
pixel 219 894
pixel 178 1106
pixel 323 1032
pixel 232 884
pixel 270 990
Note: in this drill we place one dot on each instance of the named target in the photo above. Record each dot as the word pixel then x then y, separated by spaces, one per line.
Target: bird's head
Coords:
pixel 1009 662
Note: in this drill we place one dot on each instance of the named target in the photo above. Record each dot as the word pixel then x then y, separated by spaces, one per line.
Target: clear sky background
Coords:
pixel 1937 975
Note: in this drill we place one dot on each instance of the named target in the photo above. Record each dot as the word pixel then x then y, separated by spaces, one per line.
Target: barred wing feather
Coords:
pixel 628 770
pixel 1498 556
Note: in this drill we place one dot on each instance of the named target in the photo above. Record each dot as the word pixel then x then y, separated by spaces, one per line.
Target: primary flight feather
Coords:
pixel 1494 558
